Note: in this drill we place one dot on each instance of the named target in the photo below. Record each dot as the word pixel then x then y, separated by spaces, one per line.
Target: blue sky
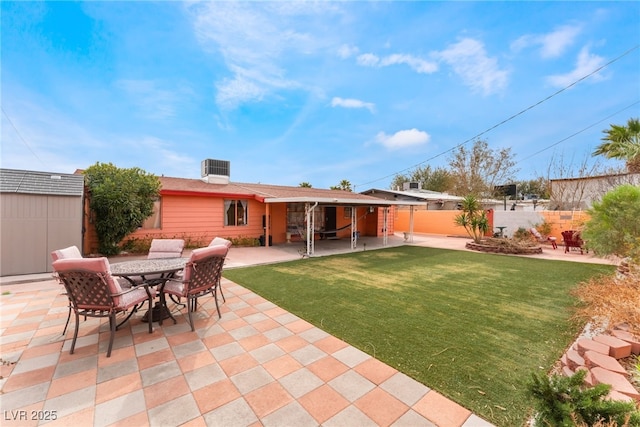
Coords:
pixel 316 92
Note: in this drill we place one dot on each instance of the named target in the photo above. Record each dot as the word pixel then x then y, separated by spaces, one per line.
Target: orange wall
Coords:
pixel 430 222
pixel 564 220
pixel 199 219
pixel 442 222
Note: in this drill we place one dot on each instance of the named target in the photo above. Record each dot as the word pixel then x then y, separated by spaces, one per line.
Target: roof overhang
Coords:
pixel 328 201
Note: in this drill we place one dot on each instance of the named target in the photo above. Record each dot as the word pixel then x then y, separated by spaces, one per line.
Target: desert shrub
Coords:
pixel 522 234
pixel 544 228
pixel 567 401
pixel 610 301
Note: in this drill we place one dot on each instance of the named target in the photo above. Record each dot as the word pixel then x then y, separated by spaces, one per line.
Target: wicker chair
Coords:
pixel 217 241
pixel 66 253
pixel 93 292
pixel 166 248
pixel 201 276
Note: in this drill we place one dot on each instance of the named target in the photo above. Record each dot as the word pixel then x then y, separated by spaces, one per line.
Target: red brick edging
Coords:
pixel 599 356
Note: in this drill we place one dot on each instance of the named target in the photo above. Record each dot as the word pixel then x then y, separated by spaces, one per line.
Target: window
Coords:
pixel 235 212
pixel 297 218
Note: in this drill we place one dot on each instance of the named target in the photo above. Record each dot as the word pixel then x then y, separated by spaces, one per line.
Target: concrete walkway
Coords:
pixel 258 365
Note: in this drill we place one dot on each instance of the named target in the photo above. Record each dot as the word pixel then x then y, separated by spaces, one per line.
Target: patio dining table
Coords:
pixel 150 272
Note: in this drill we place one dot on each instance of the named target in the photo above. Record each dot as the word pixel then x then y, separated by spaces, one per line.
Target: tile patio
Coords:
pixel 257 366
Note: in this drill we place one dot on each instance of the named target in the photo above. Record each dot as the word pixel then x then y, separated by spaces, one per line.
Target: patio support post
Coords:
pixel 354 227
pixel 385 225
pixel 267 229
pixel 310 227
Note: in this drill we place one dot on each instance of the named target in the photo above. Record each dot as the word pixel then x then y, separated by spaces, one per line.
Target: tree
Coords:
pixel 613 227
pixel 304 185
pixel 473 218
pixel 120 199
pixel 343 185
pixel 438 179
pixel 539 186
pixel 478 170
pixel 622 143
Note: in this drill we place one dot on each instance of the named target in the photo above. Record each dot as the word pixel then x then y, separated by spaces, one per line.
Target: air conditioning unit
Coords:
pixel 406 186
pixel 216 171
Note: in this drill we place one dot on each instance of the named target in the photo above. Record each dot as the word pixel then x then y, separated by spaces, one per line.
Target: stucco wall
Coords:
pixel 442 222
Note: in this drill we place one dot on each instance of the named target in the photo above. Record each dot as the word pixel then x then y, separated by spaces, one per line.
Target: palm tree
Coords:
pixel 473 218
pixel 345 185
pixel 622 143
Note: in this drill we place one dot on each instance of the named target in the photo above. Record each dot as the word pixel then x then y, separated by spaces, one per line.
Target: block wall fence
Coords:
pixel 442 221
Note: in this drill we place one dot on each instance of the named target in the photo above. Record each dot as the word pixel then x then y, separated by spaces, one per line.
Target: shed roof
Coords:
pixel 34 182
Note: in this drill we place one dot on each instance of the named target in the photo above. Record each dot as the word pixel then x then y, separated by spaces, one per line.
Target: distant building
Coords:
pixel 580 193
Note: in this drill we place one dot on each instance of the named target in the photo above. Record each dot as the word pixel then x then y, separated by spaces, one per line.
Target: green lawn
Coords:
pixel 471 326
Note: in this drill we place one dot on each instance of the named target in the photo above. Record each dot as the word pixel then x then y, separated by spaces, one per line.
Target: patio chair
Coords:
pixel 216 242
pixel 66 253
pixel 70 252
pixel 541 239
pixel 94 292
pixel 572 239
pixel 166 248
pixel 201 276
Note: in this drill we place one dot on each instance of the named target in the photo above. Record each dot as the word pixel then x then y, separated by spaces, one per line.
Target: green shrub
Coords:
pixel 544 228
pixel 244 241
pixel 613 228
pixel 522 234
pixel 567 401
pixel 120 200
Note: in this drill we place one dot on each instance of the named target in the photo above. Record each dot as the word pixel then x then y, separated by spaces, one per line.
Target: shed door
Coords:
pixel 34 225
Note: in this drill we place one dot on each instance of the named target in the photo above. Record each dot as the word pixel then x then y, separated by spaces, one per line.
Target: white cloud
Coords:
pixel 470 61
pixel 255 39
pixel 368 60
pixel 552 44
pixel 403 138
pixel 345 51
pixel 418 65
pixel 352 103
pixel 585 64
pixel 236 91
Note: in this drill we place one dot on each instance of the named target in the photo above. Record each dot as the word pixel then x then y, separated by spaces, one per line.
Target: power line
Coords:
pixel 20 136
pixel 578 132
pixel 597 70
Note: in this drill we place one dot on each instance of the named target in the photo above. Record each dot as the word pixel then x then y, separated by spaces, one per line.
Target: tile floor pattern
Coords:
pixel 258 365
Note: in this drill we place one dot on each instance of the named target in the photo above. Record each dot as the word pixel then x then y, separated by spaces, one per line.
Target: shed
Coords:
pixel 39 212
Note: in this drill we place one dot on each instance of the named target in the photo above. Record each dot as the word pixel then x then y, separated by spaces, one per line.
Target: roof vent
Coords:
pixel 216 171
pixel 407 186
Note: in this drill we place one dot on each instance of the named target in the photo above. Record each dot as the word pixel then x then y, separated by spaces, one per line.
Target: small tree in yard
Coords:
pixel 614 226
pixel 120 199
pixel 473 218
